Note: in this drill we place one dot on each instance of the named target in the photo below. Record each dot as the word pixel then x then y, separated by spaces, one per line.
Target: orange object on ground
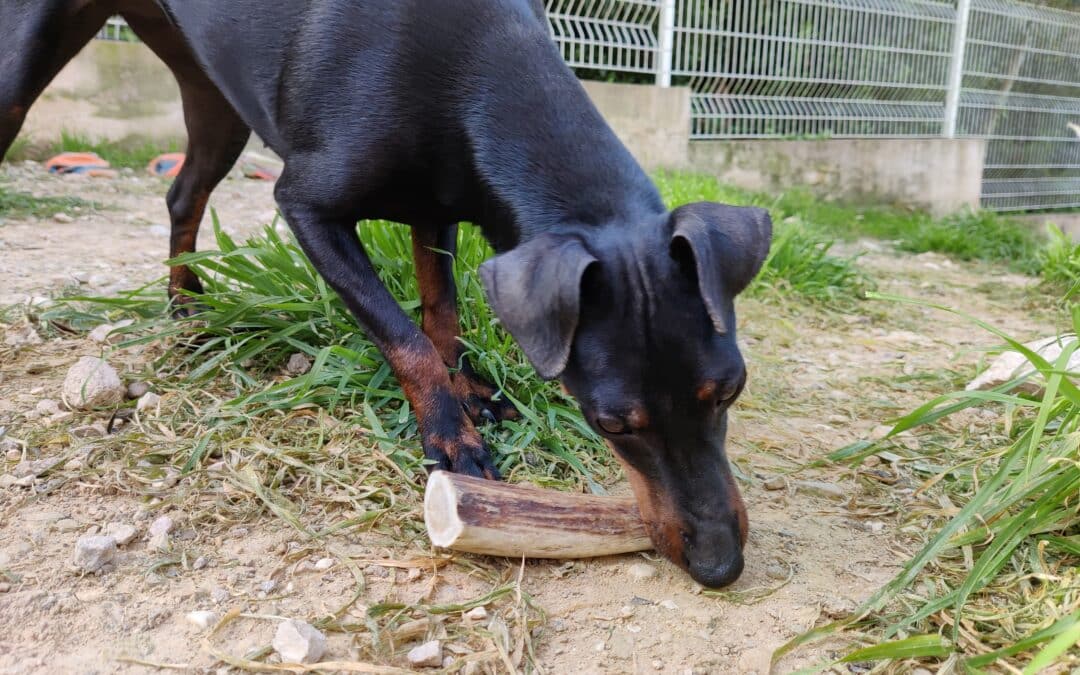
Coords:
pixel 167 165
pixel 85 163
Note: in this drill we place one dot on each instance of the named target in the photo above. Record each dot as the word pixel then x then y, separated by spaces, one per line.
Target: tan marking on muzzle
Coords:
pixel 661 518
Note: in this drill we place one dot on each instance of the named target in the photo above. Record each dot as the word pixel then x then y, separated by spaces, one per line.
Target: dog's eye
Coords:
pixel 611 425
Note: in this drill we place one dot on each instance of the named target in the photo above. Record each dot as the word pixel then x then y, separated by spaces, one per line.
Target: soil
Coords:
pixel 815 551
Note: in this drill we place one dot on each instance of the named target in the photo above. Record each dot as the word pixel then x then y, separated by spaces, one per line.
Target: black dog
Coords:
pixel 462 110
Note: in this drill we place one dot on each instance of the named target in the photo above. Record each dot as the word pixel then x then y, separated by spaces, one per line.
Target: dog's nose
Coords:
pixel 714 555
pixel 715 574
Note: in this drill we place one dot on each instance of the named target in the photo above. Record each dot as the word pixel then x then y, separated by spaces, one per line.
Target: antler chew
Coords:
pixel 493 518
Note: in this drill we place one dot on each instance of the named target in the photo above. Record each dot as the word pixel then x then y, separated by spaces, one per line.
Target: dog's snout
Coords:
pixel 714 554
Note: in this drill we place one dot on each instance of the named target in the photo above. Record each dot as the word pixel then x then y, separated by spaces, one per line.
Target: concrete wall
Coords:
pixel 653 122
pixel 937 174
pixel 112 91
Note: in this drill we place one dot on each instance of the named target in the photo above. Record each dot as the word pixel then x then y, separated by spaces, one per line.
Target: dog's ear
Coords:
pixel 728 245
pixel 535 290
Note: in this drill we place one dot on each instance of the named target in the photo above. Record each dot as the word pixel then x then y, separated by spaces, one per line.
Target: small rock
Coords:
pixel 26 335
pixel 775 570
pixel 107 333
pixel 200 563
pixel 477 614
pixel 324 564
pixel 162 525
pixel 148 401
pixel 298 364
pixel 63 218
pixel 68 525
pixel 1011 365
pixel 92 383
pixel 775 483
pixel 669 604
pixel 35 468
pixel 921 671
pixel 641 571
pixel 47 407
pixel 300 642
pixel 74 464
pixel 201 619
pixel 268 586
pixel 871 461
pixel 821 489
pixel 427 655
pixel 94 552
pixel 413 574
pixel 4 587
pixel 123 533
pixel 137 389
pixel 13 454
pixel 87 431
pixel 7 480
pixel 219 595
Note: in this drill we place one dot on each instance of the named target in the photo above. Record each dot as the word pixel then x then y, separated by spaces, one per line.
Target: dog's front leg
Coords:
pixel 433 251
pixel 449 437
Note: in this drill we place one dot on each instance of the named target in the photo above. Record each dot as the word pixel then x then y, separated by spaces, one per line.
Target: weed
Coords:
pixel 996 582
pixel 21 205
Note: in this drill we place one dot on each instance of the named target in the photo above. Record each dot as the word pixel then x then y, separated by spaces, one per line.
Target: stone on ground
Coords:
pixel 94 552
pixel 427 655
pixel 92 383
pixel 1012 365
pixel 298 642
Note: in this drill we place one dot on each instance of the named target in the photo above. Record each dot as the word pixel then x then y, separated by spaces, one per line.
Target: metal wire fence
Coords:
pixel 1004 70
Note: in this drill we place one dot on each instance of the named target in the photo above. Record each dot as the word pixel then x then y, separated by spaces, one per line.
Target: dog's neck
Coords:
pixel 544 156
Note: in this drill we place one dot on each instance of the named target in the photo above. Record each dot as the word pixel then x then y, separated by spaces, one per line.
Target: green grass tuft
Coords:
pixel 21 205
pixel 1060 260
pixel 995 585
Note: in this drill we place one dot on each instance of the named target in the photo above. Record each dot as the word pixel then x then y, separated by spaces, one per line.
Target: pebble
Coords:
pixel 202 618
pixel 219 595
pixel 300 642
pixel 200 563
pixel 268 586
pixel 106 332
pixel 137 389
pixel 68 525
pixel 35 468
pixel 94 552
pixel 324 564
pixel 427 655
pixel 298 364
pixel 7 480
pixel 477 614
pixel 775 483
pixel 669 604
pixel 641 571
pixel 87 431
pixel 871 461
pixel 121 532
pixel 92 383
pixel 63 218
pixel 776 571
pixel 821 489
pixel 47 407
pixel 148 401
pixel 162 525
pixel 4 587
pixel 13 454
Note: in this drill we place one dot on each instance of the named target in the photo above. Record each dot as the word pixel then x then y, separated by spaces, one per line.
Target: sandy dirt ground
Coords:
pixel 820 544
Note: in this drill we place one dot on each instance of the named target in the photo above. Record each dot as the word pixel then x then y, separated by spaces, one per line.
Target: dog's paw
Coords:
pixel 465 454
pixel 480 399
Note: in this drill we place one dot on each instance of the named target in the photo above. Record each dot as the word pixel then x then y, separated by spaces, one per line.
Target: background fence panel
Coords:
pixel 1022 92
pixel 853 68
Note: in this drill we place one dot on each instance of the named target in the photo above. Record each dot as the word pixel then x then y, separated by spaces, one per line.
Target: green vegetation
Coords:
pixel 21 205
pixel 133 152
pixel 997 577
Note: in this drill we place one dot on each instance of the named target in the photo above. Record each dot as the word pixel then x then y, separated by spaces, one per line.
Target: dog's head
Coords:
pixel 638 321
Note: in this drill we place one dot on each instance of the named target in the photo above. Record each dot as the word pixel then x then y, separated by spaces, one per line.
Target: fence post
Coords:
pixel 667 42
pixel 956 67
